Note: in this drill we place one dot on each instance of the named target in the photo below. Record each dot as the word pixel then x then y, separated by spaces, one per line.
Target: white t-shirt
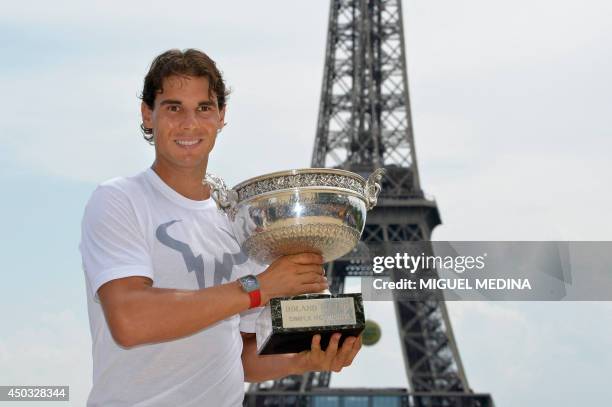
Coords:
pixel 139 226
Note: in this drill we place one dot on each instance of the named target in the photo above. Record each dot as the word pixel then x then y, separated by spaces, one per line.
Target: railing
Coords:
pixel 363 397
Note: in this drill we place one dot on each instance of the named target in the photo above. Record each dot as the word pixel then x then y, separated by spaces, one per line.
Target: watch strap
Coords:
pixel 255 298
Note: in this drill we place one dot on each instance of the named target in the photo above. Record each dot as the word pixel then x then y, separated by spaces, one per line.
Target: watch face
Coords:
pixel 249 283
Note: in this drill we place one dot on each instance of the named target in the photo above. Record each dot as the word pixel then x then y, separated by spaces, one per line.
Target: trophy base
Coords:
pixel 287 324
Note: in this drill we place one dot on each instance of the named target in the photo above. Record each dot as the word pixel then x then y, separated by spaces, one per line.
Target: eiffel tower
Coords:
pixel 365 123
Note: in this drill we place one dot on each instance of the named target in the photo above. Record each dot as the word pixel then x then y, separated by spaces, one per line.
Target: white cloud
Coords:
pixel 160 17
pixel 531 353
pixel 53 348
pixel 84 123
pixel 525 198
pixel 469 38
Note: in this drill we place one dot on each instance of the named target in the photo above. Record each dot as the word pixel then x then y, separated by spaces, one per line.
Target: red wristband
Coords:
pixel 255 298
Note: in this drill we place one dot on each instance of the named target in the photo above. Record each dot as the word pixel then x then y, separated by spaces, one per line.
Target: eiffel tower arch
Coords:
pixel 364 123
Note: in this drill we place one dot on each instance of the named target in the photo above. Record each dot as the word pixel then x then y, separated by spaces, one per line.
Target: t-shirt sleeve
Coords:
pixel 112 244
pixel 248 317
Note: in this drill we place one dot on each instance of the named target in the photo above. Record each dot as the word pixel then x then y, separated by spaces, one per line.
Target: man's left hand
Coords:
pixel 332 359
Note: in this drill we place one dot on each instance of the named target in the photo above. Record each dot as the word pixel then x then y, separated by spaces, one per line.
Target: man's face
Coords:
pixel 185 121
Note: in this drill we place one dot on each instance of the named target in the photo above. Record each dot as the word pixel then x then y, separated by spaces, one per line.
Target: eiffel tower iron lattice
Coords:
pixel 365 123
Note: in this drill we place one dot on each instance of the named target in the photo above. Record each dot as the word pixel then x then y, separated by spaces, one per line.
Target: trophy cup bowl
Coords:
pixel 315 210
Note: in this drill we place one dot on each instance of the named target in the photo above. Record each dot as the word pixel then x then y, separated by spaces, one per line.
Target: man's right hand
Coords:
pixel 292 275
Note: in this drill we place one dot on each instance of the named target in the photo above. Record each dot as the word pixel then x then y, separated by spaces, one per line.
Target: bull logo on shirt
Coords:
pixel 195 264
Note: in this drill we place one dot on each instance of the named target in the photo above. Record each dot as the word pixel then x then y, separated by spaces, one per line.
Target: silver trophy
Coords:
pixel 315 210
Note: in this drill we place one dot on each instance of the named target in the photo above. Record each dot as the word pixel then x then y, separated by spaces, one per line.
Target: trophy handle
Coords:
pixel 225 198
pixel 372 187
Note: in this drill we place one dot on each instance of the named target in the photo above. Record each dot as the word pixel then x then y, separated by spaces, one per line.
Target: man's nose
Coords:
pixel 189 121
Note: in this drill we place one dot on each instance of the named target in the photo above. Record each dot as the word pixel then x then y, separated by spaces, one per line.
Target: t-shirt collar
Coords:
pixel 174 196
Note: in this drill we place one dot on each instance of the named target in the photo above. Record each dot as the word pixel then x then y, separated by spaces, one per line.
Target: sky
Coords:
pixel 511 110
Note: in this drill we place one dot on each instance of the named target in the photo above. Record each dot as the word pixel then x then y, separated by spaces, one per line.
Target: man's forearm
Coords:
pixel 152 314
pixel 267 367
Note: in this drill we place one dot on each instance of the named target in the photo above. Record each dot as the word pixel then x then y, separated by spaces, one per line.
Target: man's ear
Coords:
pixel 147 115
pixel 222 117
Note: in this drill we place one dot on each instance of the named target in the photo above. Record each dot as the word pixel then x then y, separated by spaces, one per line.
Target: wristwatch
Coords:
pixel 251 286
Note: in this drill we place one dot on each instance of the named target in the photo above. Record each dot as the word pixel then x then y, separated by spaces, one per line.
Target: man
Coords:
pixel 171 316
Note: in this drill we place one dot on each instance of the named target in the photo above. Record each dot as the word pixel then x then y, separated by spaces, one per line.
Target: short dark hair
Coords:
pixel 190 62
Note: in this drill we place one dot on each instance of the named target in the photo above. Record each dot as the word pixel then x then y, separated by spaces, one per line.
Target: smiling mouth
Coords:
pixel 188 143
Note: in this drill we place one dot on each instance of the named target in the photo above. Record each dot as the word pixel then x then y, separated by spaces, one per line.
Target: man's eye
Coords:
pixel 204 108
pixel 173 108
